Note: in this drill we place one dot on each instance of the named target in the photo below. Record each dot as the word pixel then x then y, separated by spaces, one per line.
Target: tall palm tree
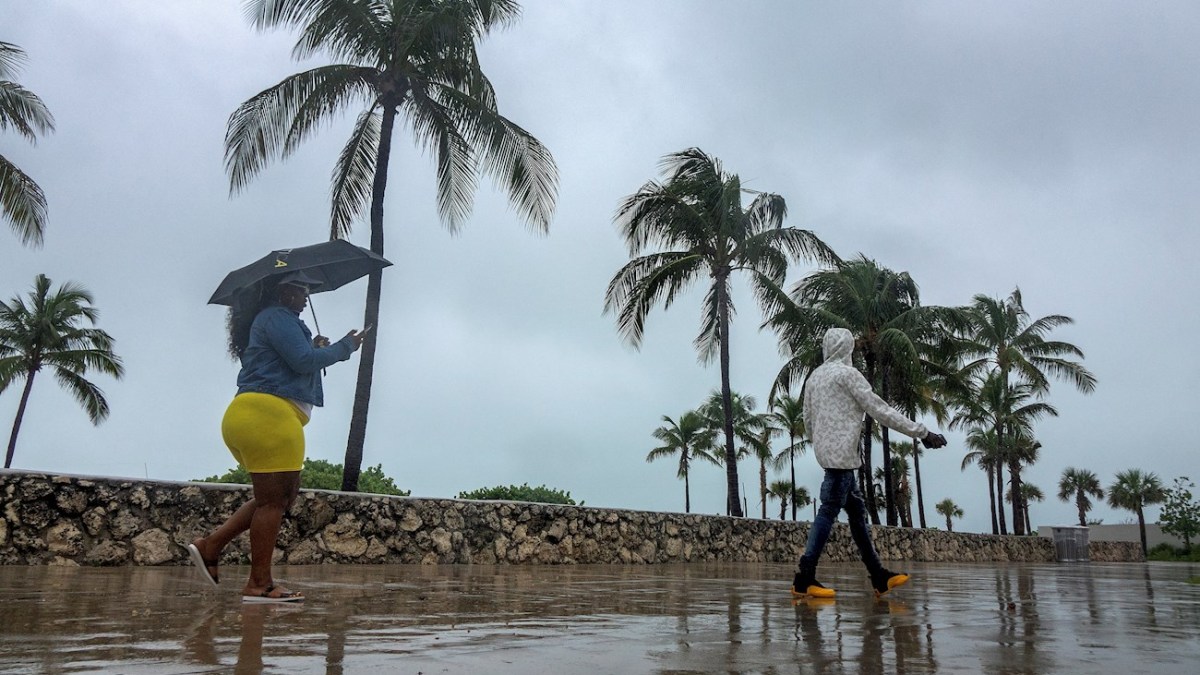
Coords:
pixel 1080 485
pixel 948 508
pixel 787 413
pixel 1134 490
pixel 691 438
pixel 697 218
pixel 1002 337
pixel 412 60
pixel 881 308
pixel 22 202
pixel 49 332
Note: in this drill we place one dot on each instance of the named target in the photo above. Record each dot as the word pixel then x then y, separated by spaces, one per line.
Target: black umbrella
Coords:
pixel 333 263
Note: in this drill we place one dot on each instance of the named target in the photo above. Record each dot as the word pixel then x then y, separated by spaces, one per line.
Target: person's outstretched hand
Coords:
pixel 933 440
pixel 356 338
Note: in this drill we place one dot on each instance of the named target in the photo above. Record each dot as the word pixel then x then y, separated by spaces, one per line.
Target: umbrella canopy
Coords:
pixel 333 263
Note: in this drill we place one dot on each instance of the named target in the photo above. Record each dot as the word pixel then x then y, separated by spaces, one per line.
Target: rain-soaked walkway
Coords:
pixel 993 618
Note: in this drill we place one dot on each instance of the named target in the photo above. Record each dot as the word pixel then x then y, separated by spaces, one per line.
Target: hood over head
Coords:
pixel 838 345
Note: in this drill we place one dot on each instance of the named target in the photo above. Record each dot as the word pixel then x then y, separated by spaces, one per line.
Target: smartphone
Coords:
pixel 366 330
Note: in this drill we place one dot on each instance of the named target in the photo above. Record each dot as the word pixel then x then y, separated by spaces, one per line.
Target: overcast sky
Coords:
pixel 977 146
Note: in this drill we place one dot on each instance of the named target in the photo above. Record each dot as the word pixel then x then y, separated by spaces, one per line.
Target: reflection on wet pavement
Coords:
pixel 1019 618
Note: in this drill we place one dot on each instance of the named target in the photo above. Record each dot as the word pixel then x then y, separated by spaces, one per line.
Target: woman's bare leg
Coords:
pixel 273 494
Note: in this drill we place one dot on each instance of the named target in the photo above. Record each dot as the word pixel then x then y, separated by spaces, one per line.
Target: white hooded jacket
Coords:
pixel 836 396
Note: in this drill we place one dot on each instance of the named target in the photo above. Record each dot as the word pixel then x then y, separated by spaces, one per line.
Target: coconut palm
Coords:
pixel 761 449
pixel 948 508
pixel 697 218
pixel 691 438
pixel 881 308
pixel 1002 337
pixel 787 413
pixel 22 202
pixel 748 427
pixel 50 332
pixel 1134 490
pixel 1029 493
pixel 1080 485
pixel 412 60
pixel 984 453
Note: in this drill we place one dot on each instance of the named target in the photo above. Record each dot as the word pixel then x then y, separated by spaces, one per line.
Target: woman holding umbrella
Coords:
pixel 278 386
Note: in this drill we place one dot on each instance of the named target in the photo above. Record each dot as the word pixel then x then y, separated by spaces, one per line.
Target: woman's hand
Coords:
pixel 320 341
pixel 356 338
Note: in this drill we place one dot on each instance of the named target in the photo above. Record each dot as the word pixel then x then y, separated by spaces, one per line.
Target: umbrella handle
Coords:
pixel 317 324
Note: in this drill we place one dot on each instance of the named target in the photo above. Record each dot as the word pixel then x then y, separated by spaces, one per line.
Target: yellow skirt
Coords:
pixel 264 433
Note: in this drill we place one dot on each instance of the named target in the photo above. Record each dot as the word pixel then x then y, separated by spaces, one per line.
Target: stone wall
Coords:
pixel 73 520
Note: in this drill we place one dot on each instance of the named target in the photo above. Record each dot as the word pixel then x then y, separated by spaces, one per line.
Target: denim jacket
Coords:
pixel 281 360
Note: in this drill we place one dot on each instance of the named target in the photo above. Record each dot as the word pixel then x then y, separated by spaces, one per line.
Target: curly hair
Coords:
pixel 241 315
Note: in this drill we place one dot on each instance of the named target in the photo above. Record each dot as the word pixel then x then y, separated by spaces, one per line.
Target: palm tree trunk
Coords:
pixel 687 494
pixel 949 525
pixel 889 478
pixel 792 462
pixel 992 497
pixel 867 473
pixel 889 487
pixel 1014 469
pixel 732 499
pixel 762 485
pixel 1142 528
pixel 999 497
pixel 366 362
pixel 866 481
pixel 917 474
pixel 1079 506
pixel 12 440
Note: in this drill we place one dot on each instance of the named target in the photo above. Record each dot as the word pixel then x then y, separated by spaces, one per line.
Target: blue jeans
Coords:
pixel 840 491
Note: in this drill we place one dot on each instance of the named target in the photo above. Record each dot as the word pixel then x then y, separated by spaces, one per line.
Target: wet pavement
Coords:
pixel 699 618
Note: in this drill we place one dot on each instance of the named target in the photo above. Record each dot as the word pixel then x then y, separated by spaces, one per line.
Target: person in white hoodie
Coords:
pixel 836 396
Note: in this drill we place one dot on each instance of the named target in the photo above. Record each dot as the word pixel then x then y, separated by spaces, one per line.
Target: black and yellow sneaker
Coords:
pixel 808 586
pixel 886 580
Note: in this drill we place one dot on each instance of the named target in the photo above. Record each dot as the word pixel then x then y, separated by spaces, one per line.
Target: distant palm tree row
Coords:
pixel 1132 490
pixel 984 367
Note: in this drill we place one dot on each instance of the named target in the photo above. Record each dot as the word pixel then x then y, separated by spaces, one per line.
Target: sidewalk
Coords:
pixel 1019 618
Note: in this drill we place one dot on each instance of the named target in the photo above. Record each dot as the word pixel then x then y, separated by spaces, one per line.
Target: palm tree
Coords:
pixel 985 453
pixel 787 412
pixel 696 216
pixel 1003 338
pixel 1029 493
pixel 1079 484
pixel 948 508
pixel 48 332
pixel 1001 416
pixel 1133 490
pixel 691 438
pixel 415 60
pixel 882 309
pixel 22 202
pixel 785 492
pixel 761 449
pixel 749 428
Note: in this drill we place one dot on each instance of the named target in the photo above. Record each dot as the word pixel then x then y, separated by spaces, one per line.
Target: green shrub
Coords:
pixel 319 474
pixel 1168 553
pixel 521 493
